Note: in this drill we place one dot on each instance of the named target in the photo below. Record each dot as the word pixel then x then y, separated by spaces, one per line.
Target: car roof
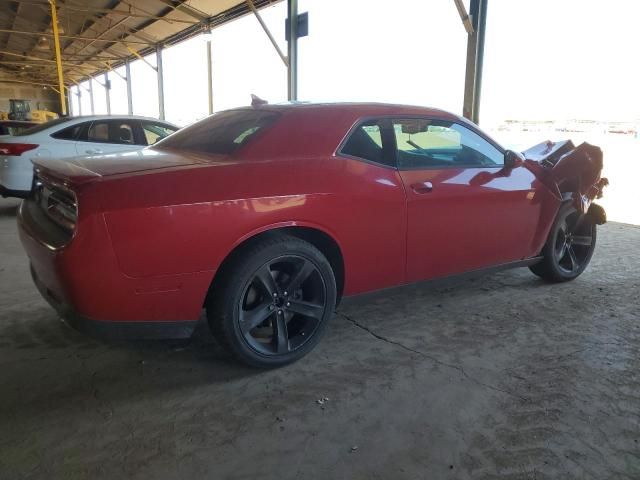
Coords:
pixel 336 119
pixel 359 109
pixel 58 124
pixel 115 117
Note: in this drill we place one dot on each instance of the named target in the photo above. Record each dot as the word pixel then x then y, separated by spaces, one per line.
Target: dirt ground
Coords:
pixel 499 377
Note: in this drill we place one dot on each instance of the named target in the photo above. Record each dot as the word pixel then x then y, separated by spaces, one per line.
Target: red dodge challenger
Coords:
pixel 267 216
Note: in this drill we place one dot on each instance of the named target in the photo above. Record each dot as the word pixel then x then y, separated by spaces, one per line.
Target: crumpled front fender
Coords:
pixel 570 171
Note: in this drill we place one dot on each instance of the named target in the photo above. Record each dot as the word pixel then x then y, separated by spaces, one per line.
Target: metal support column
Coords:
pixel 56 42
pixel 160 81
pixel 292 50
pixel 107 90
pixel 93 110
pixel 475 57
pixel 482 27
pixel 67 97
pixel 127 68
pixel 209 77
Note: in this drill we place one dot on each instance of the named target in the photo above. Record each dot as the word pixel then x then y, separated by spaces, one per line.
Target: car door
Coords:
pixel 108 136
pixel 371 204
pixel 465 211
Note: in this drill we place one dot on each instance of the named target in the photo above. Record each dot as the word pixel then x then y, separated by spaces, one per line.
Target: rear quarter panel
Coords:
pixel 190 219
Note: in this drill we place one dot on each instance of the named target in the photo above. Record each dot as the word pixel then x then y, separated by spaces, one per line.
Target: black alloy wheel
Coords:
pixel 569 248
pixel 573 243
pixel 273 302
pixel 282 305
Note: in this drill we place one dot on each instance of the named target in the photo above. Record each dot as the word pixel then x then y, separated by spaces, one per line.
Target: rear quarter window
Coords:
pixel 69 133
pixel 367 141
pixel 222 133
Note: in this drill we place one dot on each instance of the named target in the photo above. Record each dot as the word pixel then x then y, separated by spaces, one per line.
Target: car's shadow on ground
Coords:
pixel 75 363
pixel 43 349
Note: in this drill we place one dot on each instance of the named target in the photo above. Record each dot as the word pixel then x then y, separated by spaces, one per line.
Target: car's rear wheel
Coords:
pixel 569 248
pixel 273 302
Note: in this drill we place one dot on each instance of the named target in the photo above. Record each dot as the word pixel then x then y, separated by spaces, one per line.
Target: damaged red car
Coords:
pixel 267 216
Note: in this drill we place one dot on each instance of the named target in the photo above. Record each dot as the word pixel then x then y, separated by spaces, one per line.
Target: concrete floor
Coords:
pixel 499 377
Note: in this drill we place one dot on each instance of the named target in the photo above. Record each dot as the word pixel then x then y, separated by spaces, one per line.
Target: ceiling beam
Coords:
pixel 114 11
pixel 101 34
pixel 16 14
pixel 464 16
pixel 187 9
pixel 132 15
pixel 13 80
pixel 47 60
pixel 94 36
pixel 40 64
pixel 75 37
pixel 129 31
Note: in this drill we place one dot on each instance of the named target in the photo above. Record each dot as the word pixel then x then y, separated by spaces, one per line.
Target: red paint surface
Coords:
pixel 154 226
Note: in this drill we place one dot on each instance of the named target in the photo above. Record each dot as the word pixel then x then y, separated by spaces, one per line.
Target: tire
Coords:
pixel 569 247
pixel 273 301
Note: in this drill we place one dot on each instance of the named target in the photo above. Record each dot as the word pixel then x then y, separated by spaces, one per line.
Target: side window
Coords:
pixel 110 131
pixel 423 143
pixel 98 132
pixel 366 142
pixel 154 132
pixel 121 132
pixel 69 133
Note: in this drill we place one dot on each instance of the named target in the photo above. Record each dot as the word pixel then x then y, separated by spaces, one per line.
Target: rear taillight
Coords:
pixel 16 149
pixel 58 202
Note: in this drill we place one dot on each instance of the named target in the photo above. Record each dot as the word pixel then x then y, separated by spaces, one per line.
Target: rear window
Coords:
pixel 69 133
pixel 44 126
pixel 221 133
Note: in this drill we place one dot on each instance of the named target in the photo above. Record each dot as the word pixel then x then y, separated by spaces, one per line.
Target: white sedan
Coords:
pixel 70 137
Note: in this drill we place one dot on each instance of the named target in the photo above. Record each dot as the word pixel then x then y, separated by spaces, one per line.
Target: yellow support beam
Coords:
pixel 140 57
pixel 56 41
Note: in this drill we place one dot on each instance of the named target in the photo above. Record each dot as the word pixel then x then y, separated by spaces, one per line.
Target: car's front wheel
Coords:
pixel 569 248
pixel 273 301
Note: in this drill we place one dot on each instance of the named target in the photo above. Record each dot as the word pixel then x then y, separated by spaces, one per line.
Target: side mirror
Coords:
pixel 512 159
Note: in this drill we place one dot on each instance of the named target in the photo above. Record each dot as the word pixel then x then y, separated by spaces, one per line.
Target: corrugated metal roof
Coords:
pixel 96 33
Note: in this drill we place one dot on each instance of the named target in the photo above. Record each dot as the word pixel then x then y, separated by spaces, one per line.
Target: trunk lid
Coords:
pixel 82 169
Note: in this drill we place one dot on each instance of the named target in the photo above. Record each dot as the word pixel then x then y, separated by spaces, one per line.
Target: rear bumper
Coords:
pixel 114 330
pixel 81 279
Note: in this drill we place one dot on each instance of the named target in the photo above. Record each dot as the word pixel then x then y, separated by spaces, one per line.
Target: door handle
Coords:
pixel 92 151
pixel 422 187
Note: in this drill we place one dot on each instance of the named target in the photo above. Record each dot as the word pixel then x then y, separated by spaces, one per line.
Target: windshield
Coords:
pixel 222 133
pixel 44 126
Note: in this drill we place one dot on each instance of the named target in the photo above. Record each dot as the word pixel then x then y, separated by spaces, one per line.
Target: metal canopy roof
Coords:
pixel 96 35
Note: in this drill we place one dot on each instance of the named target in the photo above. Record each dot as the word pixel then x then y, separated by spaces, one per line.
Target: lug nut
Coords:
pixel 279 312
pixel 286 293
pixel 288 304
pixel 275 294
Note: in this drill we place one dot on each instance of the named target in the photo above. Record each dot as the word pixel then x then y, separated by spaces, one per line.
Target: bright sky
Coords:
pixel 545 59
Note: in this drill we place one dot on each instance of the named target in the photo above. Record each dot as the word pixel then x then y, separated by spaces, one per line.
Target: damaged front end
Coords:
pixel 571 173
